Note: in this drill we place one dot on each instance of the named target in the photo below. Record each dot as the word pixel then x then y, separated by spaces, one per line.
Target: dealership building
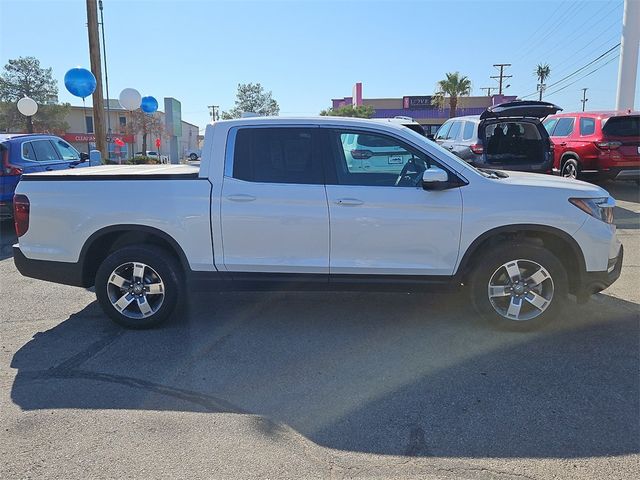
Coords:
pixel 80 133
pixel 420 107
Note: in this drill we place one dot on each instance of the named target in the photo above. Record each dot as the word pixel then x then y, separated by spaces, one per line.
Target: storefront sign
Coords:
pixel 90 137
pixel 417 103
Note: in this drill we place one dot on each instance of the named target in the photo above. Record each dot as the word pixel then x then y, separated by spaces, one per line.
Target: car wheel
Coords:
pixel 139 286
pixel 193 157
pixel 519 287
pixel 570 168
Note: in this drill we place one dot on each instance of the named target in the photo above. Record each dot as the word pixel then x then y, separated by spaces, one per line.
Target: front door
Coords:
pixel 274 205
pixel 383 221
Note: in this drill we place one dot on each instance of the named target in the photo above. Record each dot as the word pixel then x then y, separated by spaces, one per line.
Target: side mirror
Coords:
pixel 84 156
pixel 435 178
pixel 361 154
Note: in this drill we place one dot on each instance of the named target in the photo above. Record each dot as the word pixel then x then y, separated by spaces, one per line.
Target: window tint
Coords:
pixel 455 129
pixel 467 133
pixel 622 126
pixel 389 163
pixel 27 151
pixel 564 127
pixel 276 155
pixel 549 124
pixel 443 131
pixel 67 152
pixel 44 151
pixel 587 126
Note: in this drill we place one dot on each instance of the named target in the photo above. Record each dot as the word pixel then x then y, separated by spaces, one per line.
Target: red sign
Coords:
pixel 90 137
pixel 157 143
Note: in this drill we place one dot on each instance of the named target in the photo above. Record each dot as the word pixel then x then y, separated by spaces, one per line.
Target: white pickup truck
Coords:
pixel 277 205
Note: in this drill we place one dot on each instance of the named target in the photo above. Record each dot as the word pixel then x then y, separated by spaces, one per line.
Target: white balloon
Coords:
pixel 130 99
pixel 27 106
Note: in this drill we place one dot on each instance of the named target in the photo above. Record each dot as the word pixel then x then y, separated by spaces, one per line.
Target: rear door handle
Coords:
pixel 349 202
pixel 241 197
pixel 563 144
pixel 48 169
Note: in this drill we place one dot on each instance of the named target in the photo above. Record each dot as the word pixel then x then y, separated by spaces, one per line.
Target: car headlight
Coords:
pixel 600 208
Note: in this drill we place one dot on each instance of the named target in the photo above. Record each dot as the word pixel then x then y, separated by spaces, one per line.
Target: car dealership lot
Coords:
pixel 320 385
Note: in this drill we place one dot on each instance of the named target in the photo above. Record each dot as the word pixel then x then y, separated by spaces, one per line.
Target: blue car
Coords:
pixel 29 153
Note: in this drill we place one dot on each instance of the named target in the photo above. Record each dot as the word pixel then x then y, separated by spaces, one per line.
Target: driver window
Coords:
pixel 373 159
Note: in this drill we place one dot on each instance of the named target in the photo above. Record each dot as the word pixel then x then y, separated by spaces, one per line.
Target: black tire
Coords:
pixel 490 268
pixel 570 168
pixel 160 268
pixel 193 157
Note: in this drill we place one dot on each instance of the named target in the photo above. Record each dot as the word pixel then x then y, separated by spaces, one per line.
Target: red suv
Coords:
pixel 603 143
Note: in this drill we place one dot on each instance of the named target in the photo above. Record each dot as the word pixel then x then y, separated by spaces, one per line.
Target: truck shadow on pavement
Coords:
pixel 379 373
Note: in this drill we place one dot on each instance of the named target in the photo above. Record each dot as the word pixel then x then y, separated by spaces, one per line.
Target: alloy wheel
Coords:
pixel 135 290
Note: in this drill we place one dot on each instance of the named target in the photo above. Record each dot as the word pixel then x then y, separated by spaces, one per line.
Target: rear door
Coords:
pixel 274 214
pixel 626 131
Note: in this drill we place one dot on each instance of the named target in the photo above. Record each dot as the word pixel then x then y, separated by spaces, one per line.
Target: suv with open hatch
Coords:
pixel 602 144
pixel 278 203
pixel 508 136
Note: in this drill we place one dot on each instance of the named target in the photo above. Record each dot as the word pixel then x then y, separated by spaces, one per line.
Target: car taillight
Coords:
pixel 7 168
pixel 477 148
pixel 608 145
pixel 21 209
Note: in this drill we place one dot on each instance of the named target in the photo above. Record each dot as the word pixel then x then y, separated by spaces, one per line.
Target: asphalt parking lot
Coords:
pixel 320 385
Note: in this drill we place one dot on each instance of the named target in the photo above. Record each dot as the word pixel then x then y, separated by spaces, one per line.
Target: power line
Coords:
pixel 578 70
pixel 502 75
pixel 586 75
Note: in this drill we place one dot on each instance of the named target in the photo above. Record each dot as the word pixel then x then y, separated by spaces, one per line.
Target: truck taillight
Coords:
pixel 21 209
pixel 608 145
pixel 477 148
pixel 6 168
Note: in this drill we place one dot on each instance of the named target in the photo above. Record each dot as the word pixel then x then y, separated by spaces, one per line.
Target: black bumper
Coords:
pixel 594 282
pixel 58 272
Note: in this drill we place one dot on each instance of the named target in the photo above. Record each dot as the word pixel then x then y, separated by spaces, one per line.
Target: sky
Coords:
pixel 308 52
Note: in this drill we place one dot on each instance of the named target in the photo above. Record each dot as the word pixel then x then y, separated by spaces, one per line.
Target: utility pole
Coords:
pixel 96 69
pixel 502 76
pixel 541 88
pixel 488 89
pixel 629 46
pixel 584 98
pixel 214 112
pixel 106 80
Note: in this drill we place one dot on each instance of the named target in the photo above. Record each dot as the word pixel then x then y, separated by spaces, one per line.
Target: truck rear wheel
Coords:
pixel 519 287
pixel 139 286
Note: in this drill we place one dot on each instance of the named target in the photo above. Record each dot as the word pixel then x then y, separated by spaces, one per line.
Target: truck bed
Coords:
pixel 119 172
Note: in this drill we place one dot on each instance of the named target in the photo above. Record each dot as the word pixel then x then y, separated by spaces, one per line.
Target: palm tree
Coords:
pixel 453 86
pixel 543 71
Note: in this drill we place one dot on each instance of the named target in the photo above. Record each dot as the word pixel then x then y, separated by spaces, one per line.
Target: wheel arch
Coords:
pixel 557 241
pixel 108 239
pixel 569 155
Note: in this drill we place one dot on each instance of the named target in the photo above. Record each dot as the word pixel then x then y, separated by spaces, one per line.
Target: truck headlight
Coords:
pixel 600 208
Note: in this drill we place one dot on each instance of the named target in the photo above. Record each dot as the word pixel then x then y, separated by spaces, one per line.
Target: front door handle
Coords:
pixel 563 144
pixel 48 169
pixel 241 197
pixel 349 202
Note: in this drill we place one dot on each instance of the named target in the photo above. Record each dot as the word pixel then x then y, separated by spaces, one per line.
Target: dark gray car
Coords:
pixel 509 136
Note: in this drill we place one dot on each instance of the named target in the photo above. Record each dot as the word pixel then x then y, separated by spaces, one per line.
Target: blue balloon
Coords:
pixel 149 104
pixel 80 82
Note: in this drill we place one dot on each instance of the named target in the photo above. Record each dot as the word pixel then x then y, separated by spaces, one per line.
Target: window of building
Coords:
pixel 123 122
pixel 564 127
pixel 587 126
pixel 89 124
pixel 276 155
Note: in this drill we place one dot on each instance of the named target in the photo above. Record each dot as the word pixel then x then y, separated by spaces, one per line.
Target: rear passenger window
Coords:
pixel 44 151
pixel 587 126
pixel 467 133
pixel 564 127
pixel 276 155
pixel 27 151
pixel 455 129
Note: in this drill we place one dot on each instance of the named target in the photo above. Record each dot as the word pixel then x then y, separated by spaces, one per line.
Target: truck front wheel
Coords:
pixel 519 287
pixel 139 286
